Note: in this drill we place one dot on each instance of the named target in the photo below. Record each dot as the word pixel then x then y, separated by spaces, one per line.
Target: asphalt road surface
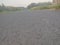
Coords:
pixel 30 28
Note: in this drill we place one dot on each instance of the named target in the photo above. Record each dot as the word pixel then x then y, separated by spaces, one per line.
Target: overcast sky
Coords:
pixel 21 2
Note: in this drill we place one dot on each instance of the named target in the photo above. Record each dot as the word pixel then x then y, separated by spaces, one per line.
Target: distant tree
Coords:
pixel 31 5
pixel 38 4
pixel 3 5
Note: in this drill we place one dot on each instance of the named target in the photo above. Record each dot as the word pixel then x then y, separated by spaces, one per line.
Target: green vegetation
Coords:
pixel 32 6
pixel 55 6
pixel 0 10
pixel 41 6
pixel 46 7
pixel 4 8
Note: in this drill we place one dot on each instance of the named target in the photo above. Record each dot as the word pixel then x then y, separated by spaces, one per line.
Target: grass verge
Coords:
pixel 46 7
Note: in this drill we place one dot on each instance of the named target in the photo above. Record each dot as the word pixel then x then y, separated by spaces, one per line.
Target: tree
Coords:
pixel 31 5
pixel 38 4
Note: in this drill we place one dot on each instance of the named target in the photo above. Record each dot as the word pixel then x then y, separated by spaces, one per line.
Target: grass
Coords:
pixel 55 6
pixel 3 12
pixel 39 8
pixel 46 7
pixel 8 11
pixel 0 10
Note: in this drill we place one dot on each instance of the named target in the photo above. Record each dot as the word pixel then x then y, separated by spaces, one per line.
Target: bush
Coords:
pixel 0 10
pixel 40 8
pixel 46 7
pixel 55 6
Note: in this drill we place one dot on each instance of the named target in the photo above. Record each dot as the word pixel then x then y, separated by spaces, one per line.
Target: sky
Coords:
pixel 21 3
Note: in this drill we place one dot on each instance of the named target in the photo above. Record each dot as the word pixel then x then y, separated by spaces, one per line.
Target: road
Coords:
pixel 41 27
